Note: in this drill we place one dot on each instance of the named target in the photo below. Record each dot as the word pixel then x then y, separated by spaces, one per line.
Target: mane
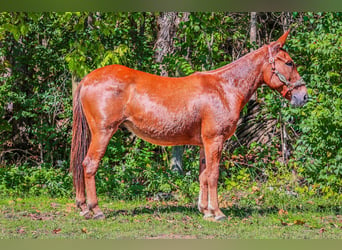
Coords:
pixel 232 64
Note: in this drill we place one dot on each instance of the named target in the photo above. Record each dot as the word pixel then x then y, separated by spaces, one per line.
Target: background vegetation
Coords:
pixel 296 152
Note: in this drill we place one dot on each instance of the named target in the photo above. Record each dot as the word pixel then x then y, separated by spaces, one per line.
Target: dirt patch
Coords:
pixel 172 236
pixel 177 236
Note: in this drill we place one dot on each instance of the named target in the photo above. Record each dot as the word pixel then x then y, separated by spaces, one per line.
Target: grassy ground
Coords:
pixel 47 218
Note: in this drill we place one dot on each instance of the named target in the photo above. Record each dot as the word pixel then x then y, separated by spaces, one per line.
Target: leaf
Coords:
pixel 227 204
pixel 186 219
pixel 255 189
pixel 34 216
pixel 282 212
pixel 21 230
pixel 84 230
pixel 196 28
pixel 258 200
pixel 284 223
pixel 299 222
pixel 56 231
pixel 54 205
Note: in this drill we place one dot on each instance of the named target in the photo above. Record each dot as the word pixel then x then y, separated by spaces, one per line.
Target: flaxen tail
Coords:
pixel 80 141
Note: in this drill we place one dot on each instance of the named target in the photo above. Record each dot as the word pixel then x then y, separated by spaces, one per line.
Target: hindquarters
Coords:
pixel 98 111
pixel 104 95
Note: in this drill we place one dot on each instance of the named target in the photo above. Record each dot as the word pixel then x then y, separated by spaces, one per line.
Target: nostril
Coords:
pixel 305 97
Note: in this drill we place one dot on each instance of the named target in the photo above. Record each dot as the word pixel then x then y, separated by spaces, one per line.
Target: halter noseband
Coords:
pixel 281 77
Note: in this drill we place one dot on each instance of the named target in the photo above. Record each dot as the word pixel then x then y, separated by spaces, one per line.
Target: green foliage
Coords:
pixel 35 85
pixel 139 169
pixel 35 181
pixel 318 149
pixel 206 41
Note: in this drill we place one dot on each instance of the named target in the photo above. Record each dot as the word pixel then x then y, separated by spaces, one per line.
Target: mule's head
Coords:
pixel 280 73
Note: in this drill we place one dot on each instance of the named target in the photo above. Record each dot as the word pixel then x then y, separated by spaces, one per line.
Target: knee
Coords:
pixel 203 178
pixel 213 178
pixel 90 167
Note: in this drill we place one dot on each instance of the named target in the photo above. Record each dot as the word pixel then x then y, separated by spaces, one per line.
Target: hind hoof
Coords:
pixel 220 217
pixel 99 216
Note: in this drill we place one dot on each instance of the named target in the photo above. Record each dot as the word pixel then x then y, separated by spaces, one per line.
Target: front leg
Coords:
pixel 213 149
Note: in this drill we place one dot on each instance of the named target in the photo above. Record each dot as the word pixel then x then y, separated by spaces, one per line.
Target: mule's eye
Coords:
pixel 289 63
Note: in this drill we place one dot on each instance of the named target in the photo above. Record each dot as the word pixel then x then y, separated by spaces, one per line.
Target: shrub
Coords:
pixel 27 180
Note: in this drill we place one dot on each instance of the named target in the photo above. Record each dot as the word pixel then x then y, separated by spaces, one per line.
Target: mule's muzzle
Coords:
pixel 299 98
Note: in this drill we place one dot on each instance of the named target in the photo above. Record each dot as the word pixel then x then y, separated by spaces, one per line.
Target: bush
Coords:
pixel 27 180
pixel 318 151
pixel 130 169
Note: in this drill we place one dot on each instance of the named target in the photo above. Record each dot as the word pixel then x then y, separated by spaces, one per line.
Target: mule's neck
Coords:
pixel 241 78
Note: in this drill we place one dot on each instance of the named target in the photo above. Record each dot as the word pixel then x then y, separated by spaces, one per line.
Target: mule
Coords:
pixel 200 109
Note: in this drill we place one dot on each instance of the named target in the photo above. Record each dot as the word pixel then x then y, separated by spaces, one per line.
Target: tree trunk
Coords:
pixel 252 39
pixel 167 23
pixel 176 159
pixel 253 31
pixel 74 81
pixel 286 20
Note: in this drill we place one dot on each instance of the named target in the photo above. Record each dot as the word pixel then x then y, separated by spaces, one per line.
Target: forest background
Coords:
pixel 276 148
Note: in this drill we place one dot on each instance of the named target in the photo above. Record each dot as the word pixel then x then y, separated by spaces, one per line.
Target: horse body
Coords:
pixel 201 109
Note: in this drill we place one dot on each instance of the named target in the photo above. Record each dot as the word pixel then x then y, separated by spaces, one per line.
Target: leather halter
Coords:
pixel 290 85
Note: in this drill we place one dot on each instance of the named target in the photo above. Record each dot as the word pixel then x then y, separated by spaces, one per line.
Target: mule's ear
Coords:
pixel 281 41
pixel 277 45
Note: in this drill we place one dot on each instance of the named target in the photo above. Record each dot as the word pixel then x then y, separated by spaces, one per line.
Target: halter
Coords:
pixel 290 85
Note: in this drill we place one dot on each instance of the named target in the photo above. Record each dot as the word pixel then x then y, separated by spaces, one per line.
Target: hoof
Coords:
pixel 99 216
pixel 85 214
pixel 220 217
pixel 207 216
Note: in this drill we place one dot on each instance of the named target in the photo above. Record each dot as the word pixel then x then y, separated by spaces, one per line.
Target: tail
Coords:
pixel 80 141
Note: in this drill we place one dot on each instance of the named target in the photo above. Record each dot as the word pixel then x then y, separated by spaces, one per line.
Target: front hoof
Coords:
pixel 85 214
pixel 202 209
pixel 99 216
pixel 208 216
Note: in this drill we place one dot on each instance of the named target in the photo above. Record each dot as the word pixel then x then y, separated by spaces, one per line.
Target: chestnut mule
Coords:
pixel 200 109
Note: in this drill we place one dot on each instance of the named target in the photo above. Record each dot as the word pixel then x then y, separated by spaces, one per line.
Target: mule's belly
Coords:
pixel 167 135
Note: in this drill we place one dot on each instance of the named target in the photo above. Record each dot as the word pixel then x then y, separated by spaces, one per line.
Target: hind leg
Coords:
pixel 81 200
pixel 79 185
pixel 97 149
pixel 203 195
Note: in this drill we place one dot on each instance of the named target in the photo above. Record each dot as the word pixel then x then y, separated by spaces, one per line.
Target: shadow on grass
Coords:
pixel 235 211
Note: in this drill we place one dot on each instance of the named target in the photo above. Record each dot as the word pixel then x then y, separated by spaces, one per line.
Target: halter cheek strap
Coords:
pixel 290 86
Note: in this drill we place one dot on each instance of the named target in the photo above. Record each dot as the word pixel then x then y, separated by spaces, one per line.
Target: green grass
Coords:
pixel 48 218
